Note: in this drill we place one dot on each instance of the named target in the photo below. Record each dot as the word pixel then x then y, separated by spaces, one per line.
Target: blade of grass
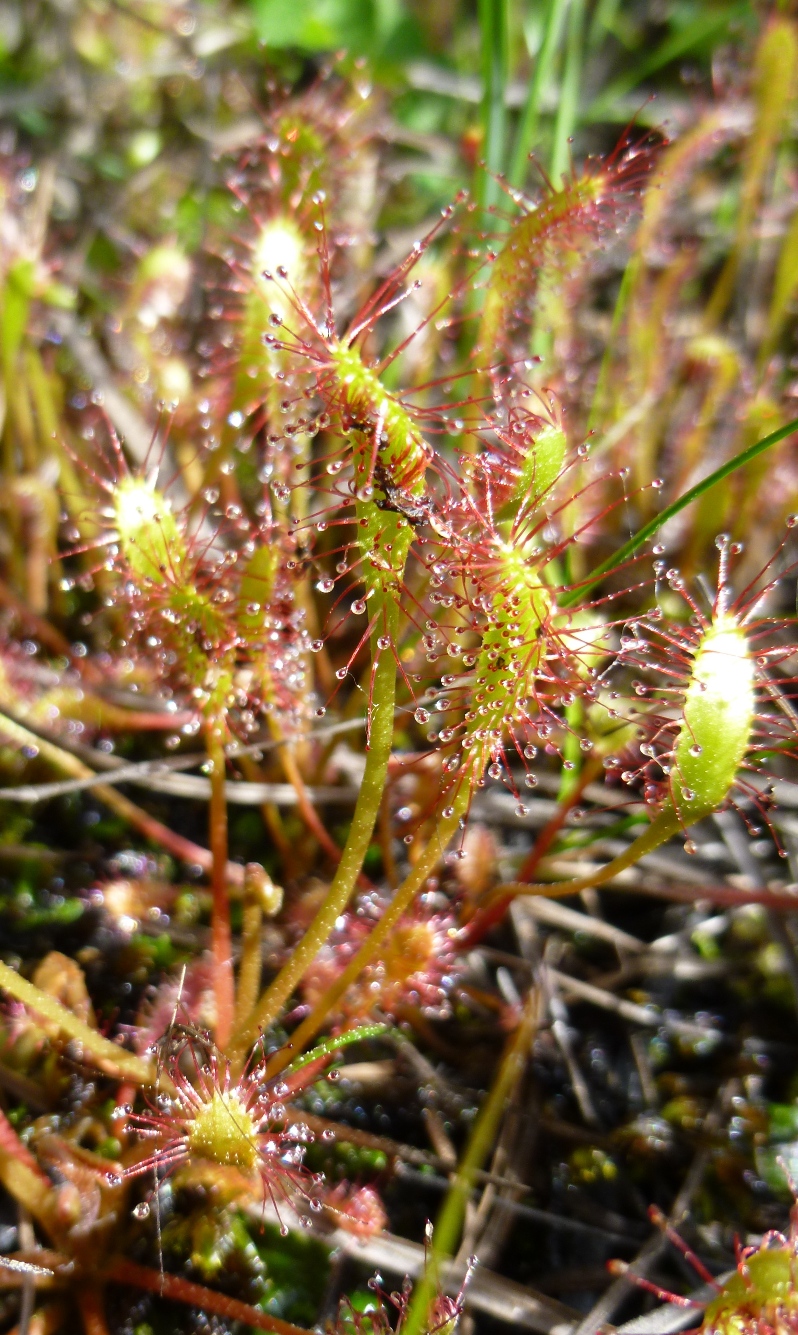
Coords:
pixel 648 530
pixel 775 74
pixel 526 137
pixel 481 1140
pixel 568 105
pixel 603 22
pixel 621 304
pixel 706 28
pixel 493 29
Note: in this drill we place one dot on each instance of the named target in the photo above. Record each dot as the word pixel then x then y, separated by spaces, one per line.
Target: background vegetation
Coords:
pixel 581 1061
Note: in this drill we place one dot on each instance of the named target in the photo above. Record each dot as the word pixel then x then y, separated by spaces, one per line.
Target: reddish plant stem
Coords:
pixel 22 1177
pixel 116 718
pixel 550 831
pixel 306 808
pixel 183 849
pixel 122 1271
pixel 221 935
pixel 781 901
pixel 484 919
pixel 90 1302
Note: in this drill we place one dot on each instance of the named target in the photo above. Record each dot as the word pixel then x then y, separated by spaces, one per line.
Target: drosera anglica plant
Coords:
pixel 760 1297
pixel 209 616
pixel 234 1130
pixel 312 146
pixel 526 662
pixel 732 707
pixel 389 459
pixel 740 685
pixel 562 227
pixel 484 611
pixel 716 685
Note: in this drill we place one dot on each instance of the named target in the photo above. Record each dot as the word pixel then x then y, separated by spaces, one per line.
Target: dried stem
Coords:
pixel 182 849
pixel 47 1321
pixel 92 1311
pixel 306 808
pixel 485 918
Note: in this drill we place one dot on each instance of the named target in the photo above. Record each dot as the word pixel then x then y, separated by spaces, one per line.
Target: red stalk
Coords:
pixel 122 1271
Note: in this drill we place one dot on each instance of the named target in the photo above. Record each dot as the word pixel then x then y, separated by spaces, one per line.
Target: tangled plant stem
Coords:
pixel 706 780
pixel 185 850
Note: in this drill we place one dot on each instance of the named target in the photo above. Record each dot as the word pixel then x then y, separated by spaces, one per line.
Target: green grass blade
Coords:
pixel 493 27
pixel 706 28
pixel 621 303
pixel 526 137
pixel 648 530
pixel 568 106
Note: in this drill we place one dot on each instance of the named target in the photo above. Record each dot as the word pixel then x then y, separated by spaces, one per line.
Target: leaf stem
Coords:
pixel 177 1289
pixel 106 1054
pixel 663 827
pixel 251 966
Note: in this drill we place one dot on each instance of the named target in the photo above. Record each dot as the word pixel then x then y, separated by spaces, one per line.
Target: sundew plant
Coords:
pixel 399 509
